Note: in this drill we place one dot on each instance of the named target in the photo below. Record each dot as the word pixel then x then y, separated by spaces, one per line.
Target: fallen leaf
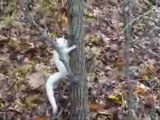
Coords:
pixel 145 77
pixel 36 80
pixel 116 98
pixel 94 107
pixel 2 76
pixel 29 101
pixel 22 69
pixel 39 118
pixel 140 89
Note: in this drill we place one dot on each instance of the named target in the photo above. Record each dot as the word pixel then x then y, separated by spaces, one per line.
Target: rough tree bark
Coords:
pixel 79 95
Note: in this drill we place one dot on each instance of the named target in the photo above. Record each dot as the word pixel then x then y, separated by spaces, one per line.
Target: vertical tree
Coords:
pixel 79 97
pixel 127 27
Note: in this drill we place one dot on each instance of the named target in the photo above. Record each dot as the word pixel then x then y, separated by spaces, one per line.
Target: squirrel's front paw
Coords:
pixel 74 47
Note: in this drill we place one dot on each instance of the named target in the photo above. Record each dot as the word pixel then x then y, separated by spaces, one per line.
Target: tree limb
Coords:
pixel 44 34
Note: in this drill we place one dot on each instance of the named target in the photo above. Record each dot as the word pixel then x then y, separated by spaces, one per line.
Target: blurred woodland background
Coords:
pixel 25 61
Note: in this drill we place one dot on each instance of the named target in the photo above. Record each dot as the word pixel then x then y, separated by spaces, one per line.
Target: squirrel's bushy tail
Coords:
pixel 50 84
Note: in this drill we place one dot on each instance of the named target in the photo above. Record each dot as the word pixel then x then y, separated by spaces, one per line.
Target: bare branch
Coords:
pixel 43 33
pixel 136 19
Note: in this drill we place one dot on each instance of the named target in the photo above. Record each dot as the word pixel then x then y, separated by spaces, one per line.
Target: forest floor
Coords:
pixel 25 61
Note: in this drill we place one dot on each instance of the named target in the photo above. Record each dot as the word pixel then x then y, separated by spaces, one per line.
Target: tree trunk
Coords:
pixel 79 94
pixel 127 9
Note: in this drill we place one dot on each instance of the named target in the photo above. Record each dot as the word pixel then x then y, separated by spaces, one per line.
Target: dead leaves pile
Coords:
pixel 107 83
pixel 24 65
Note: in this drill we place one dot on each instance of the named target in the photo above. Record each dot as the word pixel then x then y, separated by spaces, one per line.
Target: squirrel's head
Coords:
pixel 62 42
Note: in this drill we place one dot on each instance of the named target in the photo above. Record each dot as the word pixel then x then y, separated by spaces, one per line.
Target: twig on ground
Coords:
pixel 147 50
pixel 137 18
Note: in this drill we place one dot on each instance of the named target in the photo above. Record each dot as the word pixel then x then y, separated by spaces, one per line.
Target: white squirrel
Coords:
pixel 63 71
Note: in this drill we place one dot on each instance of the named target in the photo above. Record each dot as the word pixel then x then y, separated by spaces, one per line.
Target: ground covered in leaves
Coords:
pixel 25 61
